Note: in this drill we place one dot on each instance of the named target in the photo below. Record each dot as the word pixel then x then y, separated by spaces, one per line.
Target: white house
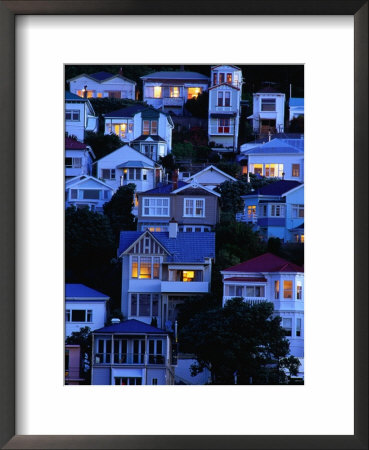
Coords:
pixel 269 278
pixel 211 177
pixel 276 211
pixel 224 106
pixel 79 116
pixel 84 307
pixel 296 106
pixel 169 91
pixel 268 111
pixel 145 128
pixel 78 158
pixel 281 158
pixel 87 192
pixel 127 165
pixel 101 85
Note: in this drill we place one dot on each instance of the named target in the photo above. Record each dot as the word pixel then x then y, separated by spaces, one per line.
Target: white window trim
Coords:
pixel 155 198
pixel 139 266
pixel 71 111
pixel 194 207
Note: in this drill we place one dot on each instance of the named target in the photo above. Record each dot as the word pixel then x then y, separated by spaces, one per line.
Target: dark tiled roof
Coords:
pixel 164 188
pixel 129 111
pixel 266 263
pixel 269 89
pixel 131 326
pixel 154 137
pixel 81 291
pixel 275 146
pixel 101 76
pixel 222 115
pixel 70 96
pixel 175 75
pixel 277 188
pixel 185 248
pixel 73 144
pixel 247 279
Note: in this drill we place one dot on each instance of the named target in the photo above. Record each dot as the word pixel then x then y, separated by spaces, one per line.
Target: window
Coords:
pixel 223 125
pixel 255 291
pixel 299 291
pixel 194 207
pixel 229 78
pixel 145 267
pixel 106 194
pixel 133 174
pixel 156 207
pixel 297 211
pixel 220 98
pixel 235 291
pixel 127 381
pixel 72 115
pixel 67 315
pixel 258 169
pixel 295 170
pixel 221 78
pixel 156 268
pixel 193 92
pixel 82 92
pixel 174 91
pixel 114 94
pixel 287 289
pixel 130 127
pixel 108 174
pixel 276 289
pixel 156 352
pixel 134 267
pixel 298 327
pixel 251 210
pixel 154 381
pixel 287 325
pixel 99 95
pixel 153 92
pixel 185 275
pixel 75 163
pixel 91 194
pixel 268 104
pixel 149 150
pixel 89 315
pixel 277 211
pixel 263 210
pixel 79 315
pixel 215 78
pixel 227 98
pixel 146 305
pixel 149 127
pixel 274 170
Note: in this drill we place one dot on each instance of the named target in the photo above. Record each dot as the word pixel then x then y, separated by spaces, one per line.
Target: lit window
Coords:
pixel 258 169
pixel 221 78
pixel 193 92
pixel 295 170
pixel 174 91
pixel 188 275
pixel 154 127
pixel 276 289
pixel 302 238
pixel 81 93
pixel 156 268
pixel 146 127
pixel 274 170
pixel 251 211
pixel 145 267
pixel 99 95
pixel 299 291
pixel 157 92
pixel 223 125
pixel 287 289
pixel 134 268
pixel 287 325
pixel 229 78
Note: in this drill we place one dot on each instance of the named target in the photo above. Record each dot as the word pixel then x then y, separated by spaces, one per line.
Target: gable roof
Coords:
pixel 73 144
pixel 175 75
pixel 164 188
pixel 224 84
pixel 211 168
pixel 195 185
pixel 145 137
pixel 265 263
pixel 128 111
pixel 185 248
pixel 225 65
pixel 76 290
pixel 82 179
pixel 273 146
pixel 135 164
pixel 101 76
pixel 135 152
pixel 276 188
pixel 131 326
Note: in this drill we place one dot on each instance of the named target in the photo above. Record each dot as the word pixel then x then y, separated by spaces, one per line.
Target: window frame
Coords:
pixel 155 207
pixel 193 207
pixel 72 113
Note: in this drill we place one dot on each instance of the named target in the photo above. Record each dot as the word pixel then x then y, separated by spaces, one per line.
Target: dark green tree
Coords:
pixel 239 339
pixel 231 168
pixel 167 162
pixel 119 210
pixel 198 106
pixel 297 125
pixel 102 144
pixel 83 338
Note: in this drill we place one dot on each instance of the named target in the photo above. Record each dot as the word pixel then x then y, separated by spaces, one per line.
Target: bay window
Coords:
pixel 145 267
pixel 287 289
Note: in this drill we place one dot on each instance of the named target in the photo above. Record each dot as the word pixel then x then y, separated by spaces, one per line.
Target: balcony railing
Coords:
pixel 185 286
pixel 129 358
pixel 249 218
pixel 173 101
pixel 222 131
pixel 251 300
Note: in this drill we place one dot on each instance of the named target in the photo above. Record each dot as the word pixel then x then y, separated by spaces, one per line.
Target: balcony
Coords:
pixel 129 359
pixel 173 101
pixel 221 131
pixel 248 218
pixel 250 300
pixel 186 287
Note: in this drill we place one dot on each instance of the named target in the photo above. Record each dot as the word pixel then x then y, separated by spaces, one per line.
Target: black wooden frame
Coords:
pixel 8 11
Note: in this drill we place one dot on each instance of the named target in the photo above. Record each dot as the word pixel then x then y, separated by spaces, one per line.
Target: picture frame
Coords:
pixel 8 11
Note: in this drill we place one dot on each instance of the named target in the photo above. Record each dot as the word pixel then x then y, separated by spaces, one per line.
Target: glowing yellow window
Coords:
pixel 134 269
pixel 188 275
pixel 157 92
pixel 99 95
pixel 258 169
pixel 193 92
pixel 145 267
pixel 174 91
pixel 244 170
pixel 302 238
pixel 287 289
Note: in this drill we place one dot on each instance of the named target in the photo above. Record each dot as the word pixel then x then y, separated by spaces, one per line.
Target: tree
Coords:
pixel 297 125
pixel 239 339
pixel 198 106
pixel 167 162
pixel 83 338
pixel 102 144
pixel 231 168
pixel 119 209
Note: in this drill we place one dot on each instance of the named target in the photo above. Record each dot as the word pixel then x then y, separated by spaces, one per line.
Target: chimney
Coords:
pixel 175 179
pixel 115 320
pixel 269 135
pixel 173 228
pixel 85 91
pixel 121 71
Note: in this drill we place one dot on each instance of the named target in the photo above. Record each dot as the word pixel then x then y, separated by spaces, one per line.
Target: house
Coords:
pixel 268 111
pixel 79 116
pixel 146 129
pixel 296 107
pixel 224 106
pixel 169 91
pixel 193 206
pixel 78 158
pixel 101 85
pixel 84 307
pixel 127 165
pixel 131 353
pixel 276 211
pixel 87 192
pixel 161 269
pixel 211 177
pixel 269 278
pixel 277 158
pixel 294 139
pixel 72 365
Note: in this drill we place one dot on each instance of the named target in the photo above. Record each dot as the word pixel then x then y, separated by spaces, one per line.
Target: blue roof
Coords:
pixel 165 188
pixel 100 76
pixel 131 326
pixel 82 291
pixel 273 146
pixel 185 248
pixel 277 188
pixel 175 75
pixel 71 96
pixel 129 111
pixel 295 101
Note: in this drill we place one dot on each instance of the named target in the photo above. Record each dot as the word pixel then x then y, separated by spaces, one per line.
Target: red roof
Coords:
pixel 266 263
pixel 72 144
pixel 246 279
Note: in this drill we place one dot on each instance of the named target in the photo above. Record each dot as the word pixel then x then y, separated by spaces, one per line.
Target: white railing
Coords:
pixel 249 218
pixel 214 130
pixel 251 300
pixel 173 101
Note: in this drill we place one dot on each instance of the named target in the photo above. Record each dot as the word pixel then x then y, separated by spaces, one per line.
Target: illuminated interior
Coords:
pixel 193 92
pixel 174 91
pixel 99 95
pixel 157 91
pixel 188 275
